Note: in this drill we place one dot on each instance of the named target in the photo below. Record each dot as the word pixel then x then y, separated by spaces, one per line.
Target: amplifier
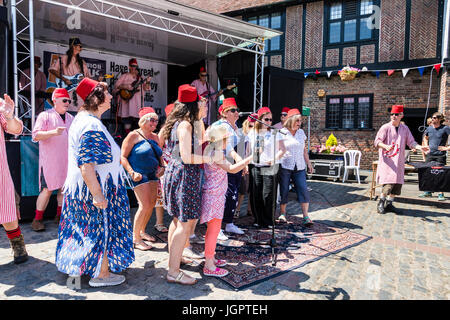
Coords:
pixel 327 168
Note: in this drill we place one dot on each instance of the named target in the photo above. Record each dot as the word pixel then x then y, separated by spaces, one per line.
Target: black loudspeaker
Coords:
pixel 4 50
pixel 282 88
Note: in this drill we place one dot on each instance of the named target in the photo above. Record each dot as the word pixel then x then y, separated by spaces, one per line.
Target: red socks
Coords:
pixel 13 233
pixel 58 211
pixel 39 215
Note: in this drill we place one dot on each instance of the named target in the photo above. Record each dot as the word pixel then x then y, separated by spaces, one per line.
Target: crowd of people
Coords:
pixel 196 173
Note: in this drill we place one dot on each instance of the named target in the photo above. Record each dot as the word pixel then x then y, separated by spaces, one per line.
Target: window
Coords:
pixel 349 112
pixel 274 20
pixel 349 21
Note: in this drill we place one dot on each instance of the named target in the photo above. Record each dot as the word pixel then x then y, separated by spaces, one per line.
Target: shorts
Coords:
pixel 441 159
pixel 43 182
pixel 145 179
pixel 393 188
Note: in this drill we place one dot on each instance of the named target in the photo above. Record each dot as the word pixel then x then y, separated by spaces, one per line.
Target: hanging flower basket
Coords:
pixel 348 73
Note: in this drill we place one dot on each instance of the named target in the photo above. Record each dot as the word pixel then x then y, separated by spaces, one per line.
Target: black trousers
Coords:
pixel 232 196
pixel 263 194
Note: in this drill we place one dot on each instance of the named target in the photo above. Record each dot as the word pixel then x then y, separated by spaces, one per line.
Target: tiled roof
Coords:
pixel 222 6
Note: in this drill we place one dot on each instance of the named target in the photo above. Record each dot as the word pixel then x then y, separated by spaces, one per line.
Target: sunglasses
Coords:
pixel 67 101
pixel 395 114
pixel 152 120
pixel 267 119
pixel 435 117
pixel 203 75
pixel 284 114
pixel 251 126
pixel 234 110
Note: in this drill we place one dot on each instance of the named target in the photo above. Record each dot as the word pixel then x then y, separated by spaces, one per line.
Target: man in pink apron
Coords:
pixel 391 140
pixel 51 130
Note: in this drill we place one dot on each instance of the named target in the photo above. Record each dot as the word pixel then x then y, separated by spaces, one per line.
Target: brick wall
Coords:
pixel 293 37
pixel 349 56
pixel 314 32
pixel 276 61
pixel 386 90
pixel 444 99
pixel 424 29
pixel 367 54
pixel 332 57
pixel 392 30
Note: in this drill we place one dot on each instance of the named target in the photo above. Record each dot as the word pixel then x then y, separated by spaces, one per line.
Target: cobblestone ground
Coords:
pixel 408 258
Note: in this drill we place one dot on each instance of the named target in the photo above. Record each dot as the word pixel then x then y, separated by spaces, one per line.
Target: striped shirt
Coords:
pixel 7 197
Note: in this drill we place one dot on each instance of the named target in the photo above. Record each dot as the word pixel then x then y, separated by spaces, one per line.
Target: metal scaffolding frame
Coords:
pixel 130 15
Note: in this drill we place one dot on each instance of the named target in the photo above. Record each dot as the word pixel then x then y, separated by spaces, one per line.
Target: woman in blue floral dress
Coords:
pixel 95 232
pixel 182 181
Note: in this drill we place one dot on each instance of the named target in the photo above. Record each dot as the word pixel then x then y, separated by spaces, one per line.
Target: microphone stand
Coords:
pixel 272 242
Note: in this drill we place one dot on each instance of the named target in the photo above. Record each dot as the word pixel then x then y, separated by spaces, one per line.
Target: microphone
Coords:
pixel 245 113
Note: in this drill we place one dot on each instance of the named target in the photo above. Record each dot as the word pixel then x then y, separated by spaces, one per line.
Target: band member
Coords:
pixel 391 140
pixel 8 212
pixel 205 90
pixel 40 85
pixel 132 85
pixel 71 64
pixel 51 130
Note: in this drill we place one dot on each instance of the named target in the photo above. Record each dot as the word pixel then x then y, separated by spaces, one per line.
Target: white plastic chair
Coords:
pixel 351 161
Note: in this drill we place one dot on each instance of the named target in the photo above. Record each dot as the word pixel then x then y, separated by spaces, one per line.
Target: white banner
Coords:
pixel 109 63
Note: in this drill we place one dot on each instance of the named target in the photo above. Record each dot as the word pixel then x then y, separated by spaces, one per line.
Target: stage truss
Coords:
pixel 26 108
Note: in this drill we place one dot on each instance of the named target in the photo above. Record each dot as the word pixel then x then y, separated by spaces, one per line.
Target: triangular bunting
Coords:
pixel 405 72
pixel 317 72
pixel 329 73
pixel 306 74
pixel 437 67
pixel 390 72
pixel 421 70
pixel 377 73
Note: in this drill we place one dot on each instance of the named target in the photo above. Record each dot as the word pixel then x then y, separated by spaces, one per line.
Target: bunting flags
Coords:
pixel 329 73
pixel 405 72
pixel 306 74
pixel 421 70
pixel 437 67
pixel 317 72
pixel 390 72
pixel 377 73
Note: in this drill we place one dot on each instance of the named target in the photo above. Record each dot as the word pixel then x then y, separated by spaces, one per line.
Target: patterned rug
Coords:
pixel 250 257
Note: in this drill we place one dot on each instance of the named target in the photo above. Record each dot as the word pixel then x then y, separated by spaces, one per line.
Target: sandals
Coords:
pixel 141 245
pixel 181 278
pixel 161 228
pixel 147 237
pixel 185 260
pixel 282 218
pixel 307 222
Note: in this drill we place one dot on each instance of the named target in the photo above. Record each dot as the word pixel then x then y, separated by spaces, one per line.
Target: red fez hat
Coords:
pixel 263 110
pixel 285 109
pixel 254 115
pixel 187 93
pixel 60 93
pixel 132 62
pixel 227 103
pixel 202 69
pixel 169 109
pixel 397 109
pixel 85 87
pixel 145 110
pixel 293 112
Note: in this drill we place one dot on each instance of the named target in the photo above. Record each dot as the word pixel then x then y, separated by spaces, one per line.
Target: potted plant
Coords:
pixel 348 73
pixel 331 150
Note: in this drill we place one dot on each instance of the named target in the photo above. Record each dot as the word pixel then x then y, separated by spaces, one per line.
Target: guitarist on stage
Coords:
pixel 71 64
pixel 134 85
pixel 204 89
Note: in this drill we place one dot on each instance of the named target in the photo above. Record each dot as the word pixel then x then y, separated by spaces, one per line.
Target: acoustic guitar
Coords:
pixel 128 94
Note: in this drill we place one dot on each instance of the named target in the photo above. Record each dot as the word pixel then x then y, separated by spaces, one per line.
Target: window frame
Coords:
pixel 282 28
pixel 342 20
pixel 356 112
